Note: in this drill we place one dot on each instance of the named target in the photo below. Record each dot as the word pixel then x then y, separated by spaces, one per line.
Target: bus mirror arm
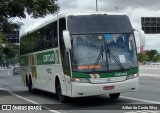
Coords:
pixel 141 36
pixel 67 39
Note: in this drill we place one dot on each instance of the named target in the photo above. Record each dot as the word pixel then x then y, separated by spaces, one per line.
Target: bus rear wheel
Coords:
pixel 114 96
pixel 30 87
pixel 61 97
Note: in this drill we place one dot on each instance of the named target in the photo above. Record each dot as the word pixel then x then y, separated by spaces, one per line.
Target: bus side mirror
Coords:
pixel 142 37
pixel 67 39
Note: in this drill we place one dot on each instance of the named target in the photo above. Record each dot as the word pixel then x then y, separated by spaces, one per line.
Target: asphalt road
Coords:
pixel 12 91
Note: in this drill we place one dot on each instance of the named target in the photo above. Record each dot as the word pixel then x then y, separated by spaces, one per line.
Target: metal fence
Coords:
pixel 149 70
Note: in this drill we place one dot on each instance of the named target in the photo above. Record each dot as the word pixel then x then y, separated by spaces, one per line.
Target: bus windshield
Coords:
pixel 103 52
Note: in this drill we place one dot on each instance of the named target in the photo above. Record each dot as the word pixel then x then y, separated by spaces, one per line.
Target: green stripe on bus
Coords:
pixel 80 75
pixel 48 57
pixel 106 75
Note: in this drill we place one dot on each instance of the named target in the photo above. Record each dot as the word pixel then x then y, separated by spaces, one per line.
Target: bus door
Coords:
pixel 66 70
pixel 64 57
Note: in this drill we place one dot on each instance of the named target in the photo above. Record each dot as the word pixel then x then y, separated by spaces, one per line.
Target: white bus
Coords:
pixel 77 55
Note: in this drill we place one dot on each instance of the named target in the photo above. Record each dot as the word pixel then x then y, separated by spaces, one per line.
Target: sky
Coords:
pixel 135 9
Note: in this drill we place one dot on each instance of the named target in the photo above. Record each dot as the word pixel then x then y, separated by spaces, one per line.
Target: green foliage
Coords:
pixel 156 58
pixel 9 9
pixel 8 51
pixel 3 42
pixel 142 57
pixel 151 53
pixel 35 8
pixel 3 39
pixel 8 27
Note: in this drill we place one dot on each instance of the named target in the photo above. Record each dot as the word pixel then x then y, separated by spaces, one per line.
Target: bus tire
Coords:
pixel 114 96
pixel 27 81
pixel 30 87
pixel 61 97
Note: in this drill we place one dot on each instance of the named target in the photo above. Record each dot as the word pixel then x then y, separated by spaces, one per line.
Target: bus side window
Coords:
pixel 27 44
pixel 35 36
pixel 54 38
pixel 40 40
pixel 62 26
pixel 39 46
pixel 45 35
pixel 22 45
pixel 43 45
pixel 48 37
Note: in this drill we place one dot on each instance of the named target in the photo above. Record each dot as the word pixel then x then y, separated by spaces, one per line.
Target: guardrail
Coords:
pixel 149 70
pixel 6 72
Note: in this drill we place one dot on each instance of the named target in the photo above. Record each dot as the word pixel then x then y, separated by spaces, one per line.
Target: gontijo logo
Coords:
pixel 48 58
pixel 120 74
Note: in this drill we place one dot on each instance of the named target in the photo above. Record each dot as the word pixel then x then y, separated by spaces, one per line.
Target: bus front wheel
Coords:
pixel 61 97
pixel 114 96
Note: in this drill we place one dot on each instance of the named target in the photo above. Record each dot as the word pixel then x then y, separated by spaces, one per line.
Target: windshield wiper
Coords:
pixel 115 59
pixel 107 50
pixel 98 59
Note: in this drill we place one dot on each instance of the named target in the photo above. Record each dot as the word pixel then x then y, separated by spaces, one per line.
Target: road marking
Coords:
pixel 148 101
pixel 3 89
pixel 53 111
pixel 24 98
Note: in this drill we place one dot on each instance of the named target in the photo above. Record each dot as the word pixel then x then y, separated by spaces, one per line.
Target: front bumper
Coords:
pixel 88 89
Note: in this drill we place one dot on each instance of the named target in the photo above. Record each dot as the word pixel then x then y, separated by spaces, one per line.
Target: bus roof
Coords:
pixel 66 15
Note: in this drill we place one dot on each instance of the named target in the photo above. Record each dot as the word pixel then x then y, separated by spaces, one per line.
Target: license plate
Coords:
pixel 108 87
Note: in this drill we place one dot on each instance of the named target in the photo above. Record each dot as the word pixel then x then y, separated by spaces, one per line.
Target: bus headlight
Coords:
pixel 81 80
pixel 132 76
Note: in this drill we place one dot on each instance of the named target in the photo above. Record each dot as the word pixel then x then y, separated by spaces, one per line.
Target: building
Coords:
pixel 12 36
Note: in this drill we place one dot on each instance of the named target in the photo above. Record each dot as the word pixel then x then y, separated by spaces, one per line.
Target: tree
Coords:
pixel 35 8
pixel 142 57
pixel 156 58
pixel 3 42
pixel 3 39
pixel 9 9
pixel 19 8
pixel 8 51
pixel 151 53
